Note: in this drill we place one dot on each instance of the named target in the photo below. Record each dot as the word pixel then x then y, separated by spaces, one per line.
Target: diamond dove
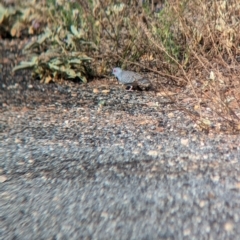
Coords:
pixel 132 79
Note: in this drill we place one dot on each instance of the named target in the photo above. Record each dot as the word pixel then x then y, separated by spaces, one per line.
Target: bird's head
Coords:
pixel 117 71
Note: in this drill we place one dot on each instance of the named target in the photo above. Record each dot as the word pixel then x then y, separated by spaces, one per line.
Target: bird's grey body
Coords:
pixel 132 79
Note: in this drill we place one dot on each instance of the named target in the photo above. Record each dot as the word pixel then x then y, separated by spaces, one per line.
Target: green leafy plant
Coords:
pixel 62 60
pixel 60 52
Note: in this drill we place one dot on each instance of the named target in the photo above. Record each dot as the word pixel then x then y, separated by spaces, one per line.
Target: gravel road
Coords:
pixel 96 162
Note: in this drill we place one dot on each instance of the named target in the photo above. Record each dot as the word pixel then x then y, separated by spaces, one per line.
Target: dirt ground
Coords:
pixel 92 161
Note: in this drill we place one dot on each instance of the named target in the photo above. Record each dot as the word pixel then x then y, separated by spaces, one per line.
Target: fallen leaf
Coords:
pixel 48 79
pixel 106 91
pixel 95 90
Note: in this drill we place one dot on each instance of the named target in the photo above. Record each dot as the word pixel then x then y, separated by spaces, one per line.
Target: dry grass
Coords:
pixel 210 30
pixel 193 43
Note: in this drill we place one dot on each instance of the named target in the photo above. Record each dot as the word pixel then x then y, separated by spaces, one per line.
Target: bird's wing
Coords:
pixel 130 77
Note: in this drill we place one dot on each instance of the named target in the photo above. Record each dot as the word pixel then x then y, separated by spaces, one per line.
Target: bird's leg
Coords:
pixel 130 89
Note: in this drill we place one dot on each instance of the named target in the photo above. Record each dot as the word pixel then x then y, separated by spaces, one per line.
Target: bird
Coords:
pixel 132 79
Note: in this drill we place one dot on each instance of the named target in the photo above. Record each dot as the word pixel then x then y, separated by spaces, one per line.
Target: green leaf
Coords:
pixel 75 60
pixel 56 61
pixel 26 65
pixel 54 67
pixel 71 73
pixel 75 32
pixel 3 11
pixel 84 79
pixel 23 65
pixel 44 36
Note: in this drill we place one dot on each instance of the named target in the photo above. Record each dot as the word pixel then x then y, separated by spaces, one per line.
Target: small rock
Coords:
pixel 3 178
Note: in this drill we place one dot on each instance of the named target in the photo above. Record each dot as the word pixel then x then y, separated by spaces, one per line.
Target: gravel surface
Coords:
pixel 96 162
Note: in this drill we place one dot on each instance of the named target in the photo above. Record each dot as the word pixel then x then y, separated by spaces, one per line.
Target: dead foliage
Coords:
pixel 210 36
